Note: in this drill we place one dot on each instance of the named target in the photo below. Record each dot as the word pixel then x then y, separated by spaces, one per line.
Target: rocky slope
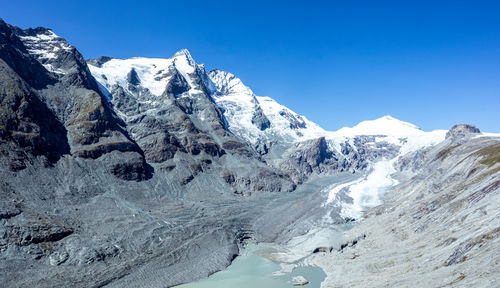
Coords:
pixel 52 106
pixel 152 172
pixel 89 195
pixel 441 221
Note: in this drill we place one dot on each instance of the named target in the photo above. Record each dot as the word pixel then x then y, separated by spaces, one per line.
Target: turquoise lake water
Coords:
pixel 253 271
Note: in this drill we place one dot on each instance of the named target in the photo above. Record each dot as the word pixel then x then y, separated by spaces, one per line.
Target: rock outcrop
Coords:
pixel 309 157
pixel 462 132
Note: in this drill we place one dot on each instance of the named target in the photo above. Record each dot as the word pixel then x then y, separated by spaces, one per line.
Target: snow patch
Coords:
pixel 114 72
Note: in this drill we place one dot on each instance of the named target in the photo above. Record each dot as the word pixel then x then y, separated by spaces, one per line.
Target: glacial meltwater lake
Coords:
pixel 254 267
pixel 251 270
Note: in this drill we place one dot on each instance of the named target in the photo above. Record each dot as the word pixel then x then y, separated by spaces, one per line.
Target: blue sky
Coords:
pixel 432 63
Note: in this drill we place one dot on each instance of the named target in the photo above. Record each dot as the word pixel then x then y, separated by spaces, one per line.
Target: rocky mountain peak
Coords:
pixel 184 55
pixel 48 48
pixel 462 131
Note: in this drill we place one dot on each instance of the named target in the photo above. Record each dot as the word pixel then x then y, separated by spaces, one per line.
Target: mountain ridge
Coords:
pixel 119 170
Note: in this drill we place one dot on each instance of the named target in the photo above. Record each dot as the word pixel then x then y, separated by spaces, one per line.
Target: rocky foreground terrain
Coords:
pixel 153 172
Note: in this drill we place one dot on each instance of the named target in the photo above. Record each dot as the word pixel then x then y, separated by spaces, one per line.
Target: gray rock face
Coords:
pixel 309 157
pixel 295 121
pixel 260 120
pixel 99 61
pixel 462 132
pixel 64 111
pixel 133 78
pixel 316 157
pixel 177 85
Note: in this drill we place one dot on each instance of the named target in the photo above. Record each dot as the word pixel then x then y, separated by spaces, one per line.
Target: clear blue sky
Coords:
pixel 432 63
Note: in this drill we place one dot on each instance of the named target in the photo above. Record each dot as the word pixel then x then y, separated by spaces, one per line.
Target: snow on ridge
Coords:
pixel 272 109
pixel 241 105
pixel 44 46
pixel 114 72
pixel 386 125
pixel 152 72
pixel 228 84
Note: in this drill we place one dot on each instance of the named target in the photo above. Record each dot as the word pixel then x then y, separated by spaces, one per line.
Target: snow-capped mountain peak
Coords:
pixel 257 118
pixel 154 73
pixel 183 52
pixel 183 61
pixel 46 47
pixel 386 125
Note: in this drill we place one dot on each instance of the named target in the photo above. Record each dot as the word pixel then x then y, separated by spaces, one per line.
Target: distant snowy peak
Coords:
pixel 387 130
pixel 386 125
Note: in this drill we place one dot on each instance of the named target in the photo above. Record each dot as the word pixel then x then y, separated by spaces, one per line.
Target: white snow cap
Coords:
pixel 386 125
pixel 150 71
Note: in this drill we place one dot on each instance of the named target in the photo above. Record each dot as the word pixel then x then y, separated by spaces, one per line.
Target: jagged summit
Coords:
pixel 248 116
pixel 34 31
pixel 48 48
pixel 184 60
pixel 183 52
pixel 156 75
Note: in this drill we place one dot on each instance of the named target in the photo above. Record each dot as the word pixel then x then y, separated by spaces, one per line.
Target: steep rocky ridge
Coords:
pixel 169 111
pixel 72 112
